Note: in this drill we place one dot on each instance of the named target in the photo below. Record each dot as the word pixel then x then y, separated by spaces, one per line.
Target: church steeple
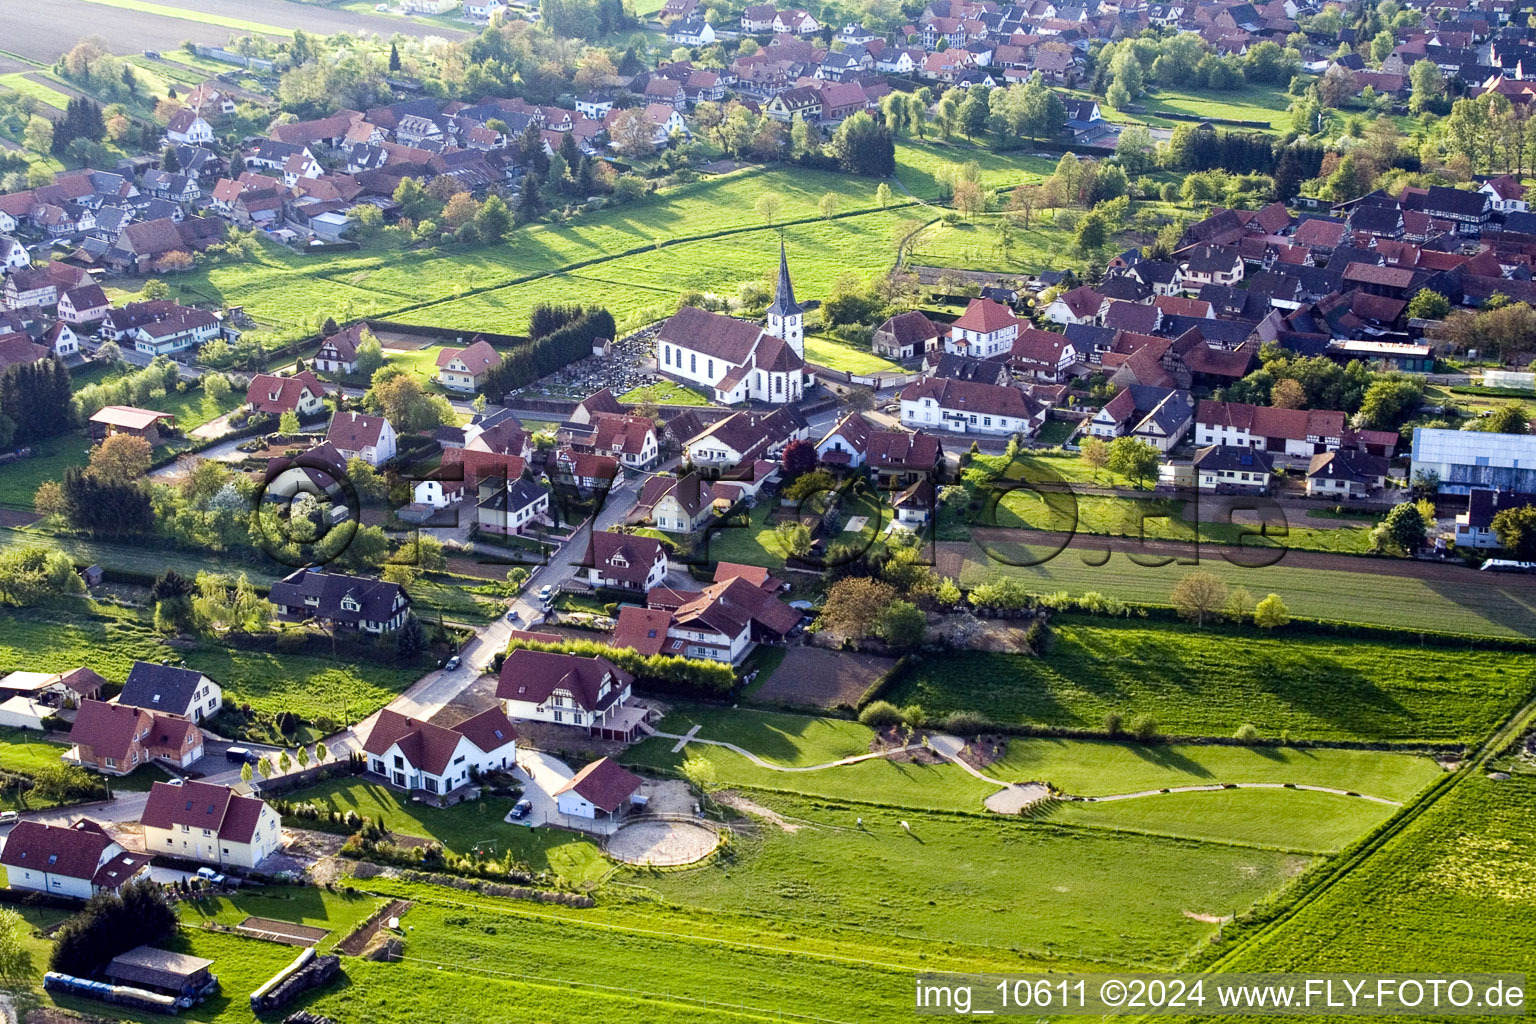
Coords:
pixel 784 303
pixel 786 317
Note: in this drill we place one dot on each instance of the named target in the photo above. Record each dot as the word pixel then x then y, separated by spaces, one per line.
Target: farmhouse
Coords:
pixel 340 602
pixel 114 739
pixel 212 824
pixel 1286 434
pixel 167 690
pixel 1345 474
pixel 412 754
pixel 906 336
pixel 78 861
pixel 965 407
pixel 566 689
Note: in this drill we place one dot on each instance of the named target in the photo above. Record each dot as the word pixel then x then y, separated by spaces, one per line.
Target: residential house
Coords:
pixel 357 435
pixel 177 331
pixel 587 472
pixel 630 439
pixel 692 32
pixel 510 508
pixel 338 353
pixel 899 458
pixel 302 394
pixel 1159 416
pixel 602 789
pixel 966 407
pixel 465 369
pixel 1288 435
pixel 1227 469
pixel 1474 527
pixel 567 689
pixel 1043 356
pixel 189 128
pixel 412 754
pixel 914 505
pixel 13 255
pixel 621 561
pixel 1345 474
pixel 168 690
pixel 723 622
pixel 986 330
pixel 676 504
pixel 1506 194
pixel 906 336
pixel 86 304
pixel 199 821
pixel 847 443
pixel 77 861
pixel 1081 305
pixel 114 739
pixel 741 439
pixel 340 602
pixel 1210 264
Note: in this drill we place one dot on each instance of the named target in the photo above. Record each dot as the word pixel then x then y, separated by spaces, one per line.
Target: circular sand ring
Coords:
pixel 661 842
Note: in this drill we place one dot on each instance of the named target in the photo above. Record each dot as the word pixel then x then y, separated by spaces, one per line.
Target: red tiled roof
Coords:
pixel 74 852
pixel 203 805
pixel 642 629
pixel 603 784
pixel 478 357
pixel 533 675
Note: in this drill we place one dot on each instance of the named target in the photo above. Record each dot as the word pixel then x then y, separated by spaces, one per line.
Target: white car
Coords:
pixel 9 817
pixel 210 875
pixel 546 592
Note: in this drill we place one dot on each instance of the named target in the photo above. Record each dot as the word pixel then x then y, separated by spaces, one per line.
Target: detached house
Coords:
pixel 360 436
pixel 465 369
pixel 167 690
pixel 114 739
pixel 211 824
pixel 510 509
pixel 1160 416
pixel 188 128
pixel 906 336
pixel 677 504
pixel 412 754
pixel 302 394
pixel 83 305
pixel 566 689
pixel 630 439
pixel 620 561
pixel 340 601
pixel 78 861
pixel 985 330
pixel 1224 469
pixel 1210 264
pixel 602 789
pixel 338 353
pixel 968 407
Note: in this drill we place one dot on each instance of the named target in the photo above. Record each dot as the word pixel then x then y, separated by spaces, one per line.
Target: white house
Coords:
pixel 566 689
pixel 985 330
pixel 622 561
pixel 1507 194
pixel 676 505
pixel 13 255
pixel 1288 435
pixel 83 305
pixel 188 128
pixel 1224 469
pixel 1079 306
pixel 167 690
pixel 412 754
pixel 970 407
pixel 847 443
pixel 693 32
pixel 211 824
pixel 601 789
pixel 79 861
pixel 512 509
pixel 358 435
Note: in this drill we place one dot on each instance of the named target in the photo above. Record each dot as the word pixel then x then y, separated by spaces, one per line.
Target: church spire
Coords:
pixel 784 303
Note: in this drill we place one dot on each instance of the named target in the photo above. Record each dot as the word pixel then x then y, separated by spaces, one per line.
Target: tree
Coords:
pixel 1095 454
pixel 246 772
pixel 121 458
pixel 799 458
pixel 1337 85
pixel 1287 394
pixel 49 499
pixel 394 57
pixel 1239 604
pixel 288 422
pixel 1198 595
pixel 493 219
pixel 38 135
pixel 154 290
pixel 631 133
pixel 321 753
pixel 460 210
pixel 1271 613
pixel 768 207
pixel 1428 86
pixel 1133 458
pixel 1390 400
pixel 863 147
pixel 883 194
pixel 902 625
pixel 410 639
pixel 1428 305
pixel 370 354
pixel 1404 527
pixel 855 604
pixel 1516 530
pixel 1092 233
pixel 1507 419
pixel 795 538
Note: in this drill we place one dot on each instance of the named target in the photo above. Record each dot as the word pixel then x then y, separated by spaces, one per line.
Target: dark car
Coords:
pixel 242 755
pixel 521 808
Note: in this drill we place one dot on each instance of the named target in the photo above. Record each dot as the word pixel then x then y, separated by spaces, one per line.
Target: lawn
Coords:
pixel 1250 103
pixel 461 826
pixel 19 480
pixel 19 82
pixel 1017 885
pixel 837 356
pixel 109 639
pixel 795 741
pixel 1452 891
pixel 665 392
pixel 1367 595
pixel 918 161
pixel 976 244
pixel 1209 682
pixel 339 911
pixel 1282 819
pixel 754 544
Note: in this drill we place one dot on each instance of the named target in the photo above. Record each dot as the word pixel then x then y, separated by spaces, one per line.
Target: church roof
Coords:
pixel 784 303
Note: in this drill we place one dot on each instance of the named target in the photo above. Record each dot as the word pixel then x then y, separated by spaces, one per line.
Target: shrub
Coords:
pixel 880 714
pixel 1113 723
pixel 1246 733
pixel 1144 727
pixel 965 723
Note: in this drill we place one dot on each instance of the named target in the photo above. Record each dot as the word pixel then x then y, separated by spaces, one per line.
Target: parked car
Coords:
pixel 9 817
pixel 175 781
pixel 242 755
pixel 512 615
pixel 452 663
pixel 546 592
pixel 521 808
pixel 210 875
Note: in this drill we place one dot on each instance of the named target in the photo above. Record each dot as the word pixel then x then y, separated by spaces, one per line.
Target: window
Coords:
pixel 693 362
pixel 710 364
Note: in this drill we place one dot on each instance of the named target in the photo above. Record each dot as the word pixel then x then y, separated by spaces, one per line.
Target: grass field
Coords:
pixel 109 640
pixel 918 161
pixel 19 480
pixel 1477 606
pixel 975 245
pixel 877 877
pixel 192 14
pixel 1452 891
pixel 665 392
pixel 1297 820
pixel 838 356
pixel 463 825
pixel 1251 103
pixel 1210 682
pixel 20 83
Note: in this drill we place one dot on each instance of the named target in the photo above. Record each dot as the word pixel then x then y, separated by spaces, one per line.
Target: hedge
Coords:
pixel 655 672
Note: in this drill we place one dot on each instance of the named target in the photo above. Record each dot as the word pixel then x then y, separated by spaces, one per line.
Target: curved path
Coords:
pixel 1012 797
